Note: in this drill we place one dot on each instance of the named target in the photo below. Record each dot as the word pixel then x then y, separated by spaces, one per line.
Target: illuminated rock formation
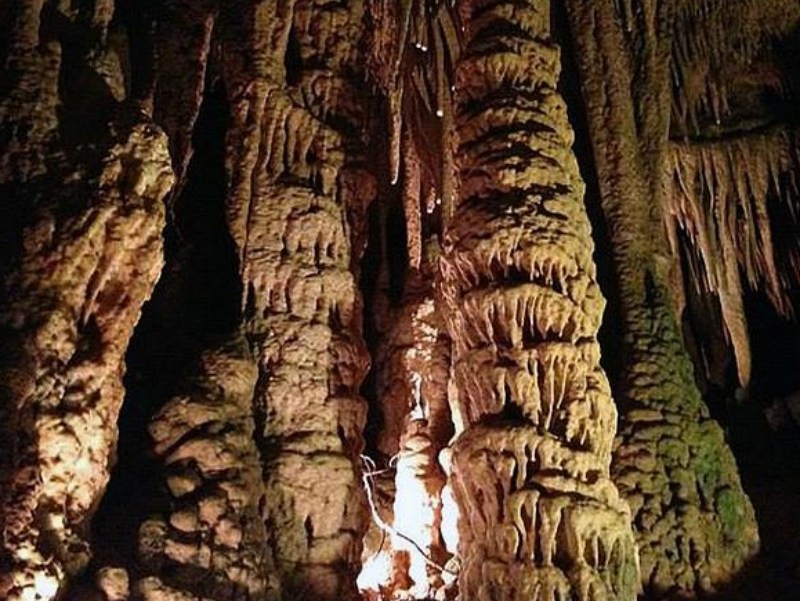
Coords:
pixel 409 558
pixel 295 181
pixel 540 517
pixel 213 543
pixel 87 268
pixel 282 156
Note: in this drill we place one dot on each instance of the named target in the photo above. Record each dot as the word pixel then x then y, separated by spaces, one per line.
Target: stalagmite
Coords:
pixel 84 275
pixel 412 391
pixel 539 516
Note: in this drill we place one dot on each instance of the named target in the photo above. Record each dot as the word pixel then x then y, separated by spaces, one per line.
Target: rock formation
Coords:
pixel 213 542
pixel 540 517
pixel 396 192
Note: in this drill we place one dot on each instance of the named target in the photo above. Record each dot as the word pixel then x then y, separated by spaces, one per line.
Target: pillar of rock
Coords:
pixel 539 515
pixel 83 178
pixel 695 526
pixel 297 180
pixel 416 426
pixel 90 260
pixel 212 543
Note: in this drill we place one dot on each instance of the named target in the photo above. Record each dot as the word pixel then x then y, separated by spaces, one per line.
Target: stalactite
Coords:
pixel 714 40
pixel 412 49
pixel 412 188
pixel 539 516
pixel 720 200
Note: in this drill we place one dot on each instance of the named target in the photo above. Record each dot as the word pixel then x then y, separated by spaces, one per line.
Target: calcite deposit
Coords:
pixel 371 369
pixel 204 438
pixel 695 527
pixel 84 275
pixel 295 181
pixel 540 517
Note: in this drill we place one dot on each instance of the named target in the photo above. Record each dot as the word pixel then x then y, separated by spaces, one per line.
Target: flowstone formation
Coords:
pixel 695 527
pixel 540 517
pixel 89 263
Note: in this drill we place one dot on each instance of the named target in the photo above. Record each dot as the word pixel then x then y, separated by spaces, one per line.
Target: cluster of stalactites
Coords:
pixel 412 65
pixel 720 200
pixel 717 43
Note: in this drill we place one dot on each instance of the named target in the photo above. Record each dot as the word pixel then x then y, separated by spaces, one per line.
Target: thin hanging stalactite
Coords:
pixel 716 42
pixel 413 48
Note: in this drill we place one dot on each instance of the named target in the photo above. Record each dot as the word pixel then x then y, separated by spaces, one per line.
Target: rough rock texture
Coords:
pixel 212 544
pixel 540 517
pixel 183 39
pixel 416 345
pixel 264 486
pixel 82 191
pixel 90 260
pixel 61 74
pixel 295 188
pixel 695 527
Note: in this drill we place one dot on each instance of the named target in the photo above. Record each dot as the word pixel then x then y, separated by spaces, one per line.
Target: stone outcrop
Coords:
pixel 212 543
pixel 540 517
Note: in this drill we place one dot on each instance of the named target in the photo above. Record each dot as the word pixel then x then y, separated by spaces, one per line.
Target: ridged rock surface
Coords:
pixel 89 263
pixel 539 516
pixel 212 543
pixel 295 186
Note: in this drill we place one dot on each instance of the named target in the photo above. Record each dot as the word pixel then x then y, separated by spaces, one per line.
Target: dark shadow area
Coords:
pixel 766 442
pixel 196 302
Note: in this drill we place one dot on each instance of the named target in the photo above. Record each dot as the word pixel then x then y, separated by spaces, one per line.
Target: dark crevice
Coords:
pixel 195 305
